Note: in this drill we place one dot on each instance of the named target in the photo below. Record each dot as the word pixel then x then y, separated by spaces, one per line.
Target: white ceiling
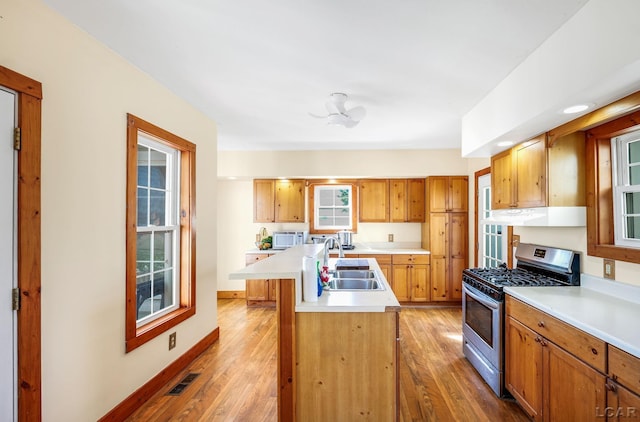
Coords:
pixel 258 68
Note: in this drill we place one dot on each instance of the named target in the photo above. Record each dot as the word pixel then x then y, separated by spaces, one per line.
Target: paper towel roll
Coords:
pixel 309 279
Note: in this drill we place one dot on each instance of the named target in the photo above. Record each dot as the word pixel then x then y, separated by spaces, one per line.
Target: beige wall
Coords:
pixel 87 92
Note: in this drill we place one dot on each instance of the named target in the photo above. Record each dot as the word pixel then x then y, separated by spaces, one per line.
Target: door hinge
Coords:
pixel 15 299
pixel 17 139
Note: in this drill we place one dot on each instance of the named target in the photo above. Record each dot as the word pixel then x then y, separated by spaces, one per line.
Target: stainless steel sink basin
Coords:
pixel 354 284
pixel 355 274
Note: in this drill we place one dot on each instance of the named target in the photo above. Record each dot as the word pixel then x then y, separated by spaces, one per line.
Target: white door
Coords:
pixel 8 396
pixel 492 238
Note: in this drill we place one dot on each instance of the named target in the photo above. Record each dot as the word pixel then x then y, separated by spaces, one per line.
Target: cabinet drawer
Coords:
pixel 250 258
pixel 624 368
pixel 582 345
pixel 409 259
pixel 381 259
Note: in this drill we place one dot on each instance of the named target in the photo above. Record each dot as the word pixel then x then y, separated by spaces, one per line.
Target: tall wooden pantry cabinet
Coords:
pixel 445 234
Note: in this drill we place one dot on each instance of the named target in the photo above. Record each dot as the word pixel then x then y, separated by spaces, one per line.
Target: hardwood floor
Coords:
pixel 237 379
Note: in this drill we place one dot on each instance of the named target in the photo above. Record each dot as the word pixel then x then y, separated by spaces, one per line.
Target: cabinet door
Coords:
pixel 272 289
pixel 523 367
pixel 501 181
pixel 530 162
pixel 398 196
pixel 415 200
pixel 458 198
pixel 420 286
pixel 439 275
pixel 622 404
pixel 572 389
pixel 439 248
pixel 458 253
pixel 257 290
pixel 374 200
pixel 400 282
pixel 289 201
pixel 263 201
pixel 438 193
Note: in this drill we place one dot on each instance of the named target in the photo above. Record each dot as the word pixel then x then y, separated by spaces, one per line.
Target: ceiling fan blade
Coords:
pixel 357 113
pixel 350 123
pixel 317 116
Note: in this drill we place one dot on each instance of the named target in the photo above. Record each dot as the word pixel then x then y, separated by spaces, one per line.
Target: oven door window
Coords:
pixel 480 318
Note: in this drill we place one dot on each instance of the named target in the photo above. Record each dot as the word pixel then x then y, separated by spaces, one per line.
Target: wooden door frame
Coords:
pixel 28 243
pixel 476 245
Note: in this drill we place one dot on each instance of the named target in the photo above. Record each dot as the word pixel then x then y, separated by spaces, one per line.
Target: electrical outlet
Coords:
pixel 390 237
pixel 609 268
pixel 172 340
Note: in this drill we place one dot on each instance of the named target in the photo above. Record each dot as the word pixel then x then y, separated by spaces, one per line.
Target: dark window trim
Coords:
pixel 354 203
pixel 600 227
pixel 137 336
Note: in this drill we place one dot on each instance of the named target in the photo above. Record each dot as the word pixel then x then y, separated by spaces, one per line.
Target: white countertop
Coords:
pixel 288 264
pixel 383 248
pixel 606 309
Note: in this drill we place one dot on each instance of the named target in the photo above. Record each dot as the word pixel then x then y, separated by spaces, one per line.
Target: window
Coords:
pixel 612 198
pixel 332 207
pixel 160 286
pixel 626 190
pixel 492 243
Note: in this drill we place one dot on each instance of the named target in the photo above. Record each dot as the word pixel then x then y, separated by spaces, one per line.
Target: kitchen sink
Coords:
pixel 355 274
pixel 355 284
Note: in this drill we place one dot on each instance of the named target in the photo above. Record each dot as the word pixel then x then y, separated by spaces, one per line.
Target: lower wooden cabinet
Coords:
pixel 549 382
pixel 346 380
pixel 622 403
pixel 623 386
pixel 411 277
pixel 260 292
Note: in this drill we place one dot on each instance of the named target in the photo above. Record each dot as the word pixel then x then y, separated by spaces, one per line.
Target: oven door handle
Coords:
pixel 476 295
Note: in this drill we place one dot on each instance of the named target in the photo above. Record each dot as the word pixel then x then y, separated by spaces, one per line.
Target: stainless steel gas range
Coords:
pixel 483 313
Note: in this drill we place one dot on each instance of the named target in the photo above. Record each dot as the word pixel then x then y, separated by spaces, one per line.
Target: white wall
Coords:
pixel 87 92
pixel 594 53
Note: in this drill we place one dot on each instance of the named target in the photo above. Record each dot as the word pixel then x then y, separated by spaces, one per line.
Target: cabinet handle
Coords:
pixel 541 341
pixel 610 386
pixel 541 324
pixel 594 351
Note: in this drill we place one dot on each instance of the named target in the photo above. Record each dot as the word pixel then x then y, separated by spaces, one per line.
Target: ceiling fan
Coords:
pixel 338 114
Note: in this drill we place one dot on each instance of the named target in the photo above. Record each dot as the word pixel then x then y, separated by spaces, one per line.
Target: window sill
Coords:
pixel 154 328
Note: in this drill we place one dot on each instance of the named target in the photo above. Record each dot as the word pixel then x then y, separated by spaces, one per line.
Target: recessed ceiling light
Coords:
pixel 505 144
pixel 575 108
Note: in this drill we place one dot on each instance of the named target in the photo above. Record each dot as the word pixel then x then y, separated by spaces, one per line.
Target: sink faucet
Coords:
pixel 326 249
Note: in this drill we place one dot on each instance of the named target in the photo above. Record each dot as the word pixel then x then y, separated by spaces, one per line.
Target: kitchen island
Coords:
pixel 337 357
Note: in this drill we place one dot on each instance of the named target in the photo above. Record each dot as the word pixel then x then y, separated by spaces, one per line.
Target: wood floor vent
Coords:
pixel 179 388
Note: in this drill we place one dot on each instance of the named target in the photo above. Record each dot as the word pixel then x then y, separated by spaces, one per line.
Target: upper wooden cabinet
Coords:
pixel 392 200
pixel 264 197
pixel 530 168
pixel 374 200
pixel 501 183
pixel 534 174
pixel 407 200
pixel 278 201
pixel 447 193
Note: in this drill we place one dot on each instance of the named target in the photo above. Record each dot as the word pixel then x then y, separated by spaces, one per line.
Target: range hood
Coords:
pixel 539 217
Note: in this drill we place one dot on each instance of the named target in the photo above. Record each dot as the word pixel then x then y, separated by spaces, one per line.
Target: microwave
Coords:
pixel 284 240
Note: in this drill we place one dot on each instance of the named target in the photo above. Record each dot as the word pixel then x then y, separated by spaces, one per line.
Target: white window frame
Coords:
pixel 317 207
pixel 172 213
pixel 488 257
pixel 622 186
